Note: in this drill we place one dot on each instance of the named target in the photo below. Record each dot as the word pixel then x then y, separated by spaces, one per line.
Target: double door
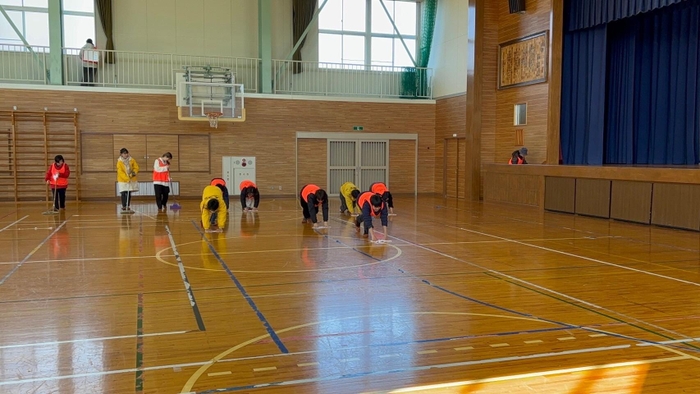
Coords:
pixel 357 161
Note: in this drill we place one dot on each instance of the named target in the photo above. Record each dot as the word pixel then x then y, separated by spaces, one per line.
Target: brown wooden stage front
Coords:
pixel 650 195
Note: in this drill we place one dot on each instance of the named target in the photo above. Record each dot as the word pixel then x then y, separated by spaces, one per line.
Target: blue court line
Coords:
pixel 24 260
pixel 457 294
pixel 240 287
pixel 188 287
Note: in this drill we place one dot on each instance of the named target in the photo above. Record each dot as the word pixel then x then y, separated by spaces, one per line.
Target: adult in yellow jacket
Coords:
pixel 348 198
pixel 213 208
pixel 127 169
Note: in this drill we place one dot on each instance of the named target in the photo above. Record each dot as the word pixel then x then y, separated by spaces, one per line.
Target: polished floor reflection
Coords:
pixel 466 298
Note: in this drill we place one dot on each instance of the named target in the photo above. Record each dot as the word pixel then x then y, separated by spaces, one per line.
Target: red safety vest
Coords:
pixel 520 161
pixel 308 189
pixel 364 198
pixel 378 188
pixel 161 176
pixel 245 184
pixel 56 180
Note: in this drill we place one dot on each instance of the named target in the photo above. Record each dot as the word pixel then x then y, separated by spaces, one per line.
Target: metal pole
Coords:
pixel 398 33
pixel 20 35
pixel 301 39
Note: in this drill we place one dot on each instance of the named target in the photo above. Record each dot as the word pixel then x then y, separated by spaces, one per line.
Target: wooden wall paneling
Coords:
pixel 402 173
pixel 98 153
pixel 461 158
pixel 136 145
pixel 451 167
pixel 194 153
pixel 312 162
pixel 631 201
pixel 450 119
pixel 512 188
pixel 675 205
pixel 475 71
pixel 560 194
pixel 158 144
pixel 593 197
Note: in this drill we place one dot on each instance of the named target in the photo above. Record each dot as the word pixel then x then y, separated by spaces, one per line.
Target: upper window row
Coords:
pixel 31 17
pixel 346 37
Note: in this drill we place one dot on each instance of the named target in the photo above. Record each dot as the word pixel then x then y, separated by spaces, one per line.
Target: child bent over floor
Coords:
pixel 213 208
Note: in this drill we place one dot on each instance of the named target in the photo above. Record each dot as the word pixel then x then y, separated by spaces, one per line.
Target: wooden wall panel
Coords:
pixel 269 133
pixel 631 201
pixel 135 144
pixel 158 144
pixel 593 197
pixel 313 163
pixel 98 153
pixel 402 173
pixel 512 188
pixel 560 194
pixel 194 154
pixel 676 205
pixel 451 166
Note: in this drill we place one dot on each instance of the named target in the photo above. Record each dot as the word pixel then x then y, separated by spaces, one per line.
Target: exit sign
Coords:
pixel 358 128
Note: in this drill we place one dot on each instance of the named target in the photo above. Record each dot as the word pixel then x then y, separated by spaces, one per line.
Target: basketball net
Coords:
pixel 214 119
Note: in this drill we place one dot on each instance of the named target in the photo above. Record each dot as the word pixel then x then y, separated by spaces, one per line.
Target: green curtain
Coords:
pixel 302 13
pixel 104 9
pixel 414 82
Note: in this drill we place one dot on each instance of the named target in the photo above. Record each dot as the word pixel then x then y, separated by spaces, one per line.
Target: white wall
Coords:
pixel 198 27
pixel 448 57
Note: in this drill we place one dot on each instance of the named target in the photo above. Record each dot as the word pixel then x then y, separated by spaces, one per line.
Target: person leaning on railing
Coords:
pixel 90 58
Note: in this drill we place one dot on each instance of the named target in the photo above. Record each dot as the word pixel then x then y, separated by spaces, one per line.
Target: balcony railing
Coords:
pixel 147 70
pixel 337 79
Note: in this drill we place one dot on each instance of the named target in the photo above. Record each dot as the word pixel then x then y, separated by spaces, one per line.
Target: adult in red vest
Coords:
pixel 371 205
pixel 310 198
pixel 250 196
pixel 518 156
pixel 161 180
pixel 57 178
pixel 381 189
pixel 221 184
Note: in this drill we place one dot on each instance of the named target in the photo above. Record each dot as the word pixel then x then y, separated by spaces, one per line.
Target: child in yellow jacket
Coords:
pixel 348 198
pixel 127 169
pixel 213 208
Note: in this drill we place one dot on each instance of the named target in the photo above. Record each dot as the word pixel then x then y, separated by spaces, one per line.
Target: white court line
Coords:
pixel 157 334
pixel 531 284
pixel 409 369
pixel 13 223
pixel 577 256
pixel 535 374
pixel 522 240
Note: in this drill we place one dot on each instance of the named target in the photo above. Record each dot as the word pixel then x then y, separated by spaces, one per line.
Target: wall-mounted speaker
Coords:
pixel 516 6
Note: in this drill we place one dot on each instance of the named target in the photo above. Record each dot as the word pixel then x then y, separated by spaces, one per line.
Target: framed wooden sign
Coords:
pixel 523 61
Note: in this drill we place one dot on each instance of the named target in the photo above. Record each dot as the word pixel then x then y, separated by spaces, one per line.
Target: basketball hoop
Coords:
pixel 214 118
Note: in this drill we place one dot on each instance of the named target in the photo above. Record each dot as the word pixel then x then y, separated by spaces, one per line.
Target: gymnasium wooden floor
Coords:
pixel 468 298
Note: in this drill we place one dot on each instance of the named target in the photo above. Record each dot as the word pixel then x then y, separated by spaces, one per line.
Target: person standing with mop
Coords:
pixel 57 178
pixel 161 180
pixel 127 169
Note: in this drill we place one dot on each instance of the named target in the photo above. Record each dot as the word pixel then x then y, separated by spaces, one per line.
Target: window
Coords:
pixel 520 114
pixel 31 17
pixel 346 37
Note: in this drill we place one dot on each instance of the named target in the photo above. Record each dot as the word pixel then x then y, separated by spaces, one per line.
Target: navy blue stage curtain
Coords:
pixel 583 96
pixel 588 13
pixel 653 96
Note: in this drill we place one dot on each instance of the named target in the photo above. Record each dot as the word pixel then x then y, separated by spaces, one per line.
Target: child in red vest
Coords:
pixel 57 178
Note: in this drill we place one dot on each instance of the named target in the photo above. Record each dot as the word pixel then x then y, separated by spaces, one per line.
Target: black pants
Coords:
pixel 359 219
pixel 304 206
pixel 89 76
pixel 59 198
pixel 126 199
pixel 161 195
